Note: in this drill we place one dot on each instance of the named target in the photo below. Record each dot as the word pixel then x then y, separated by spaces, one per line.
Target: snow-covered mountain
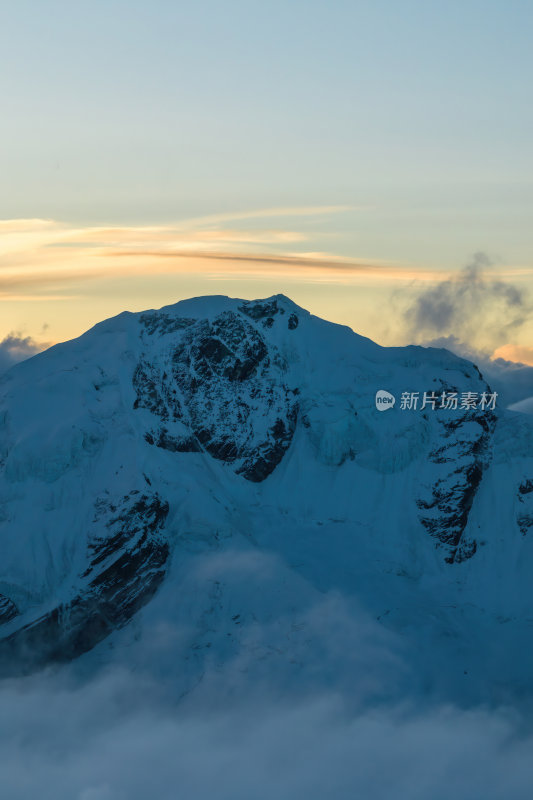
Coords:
pixel 222 465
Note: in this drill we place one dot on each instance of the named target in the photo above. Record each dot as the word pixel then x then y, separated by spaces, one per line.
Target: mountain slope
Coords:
pixel 223 463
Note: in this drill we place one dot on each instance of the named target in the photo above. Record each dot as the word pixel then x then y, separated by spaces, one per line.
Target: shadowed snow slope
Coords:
pixel 214 478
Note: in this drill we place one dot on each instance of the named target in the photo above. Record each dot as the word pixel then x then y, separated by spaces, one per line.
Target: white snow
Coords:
pixel 338 515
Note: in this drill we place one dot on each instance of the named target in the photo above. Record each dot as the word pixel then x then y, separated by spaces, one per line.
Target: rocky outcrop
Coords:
pixel 8 610
pixel 524 518
pixel 127 560
pixel 460 458
pixel 221 389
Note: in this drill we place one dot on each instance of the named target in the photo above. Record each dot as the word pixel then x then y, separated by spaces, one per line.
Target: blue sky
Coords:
pixel 416 117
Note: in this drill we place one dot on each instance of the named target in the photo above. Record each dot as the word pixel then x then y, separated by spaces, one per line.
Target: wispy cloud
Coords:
pixel 280 213
pixel 49 258
pixel 42 258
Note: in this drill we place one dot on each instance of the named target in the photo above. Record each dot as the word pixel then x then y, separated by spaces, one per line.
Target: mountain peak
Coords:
pixel 218 422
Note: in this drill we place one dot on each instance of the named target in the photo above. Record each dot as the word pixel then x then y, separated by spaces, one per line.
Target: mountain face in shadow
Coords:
pixel 219 427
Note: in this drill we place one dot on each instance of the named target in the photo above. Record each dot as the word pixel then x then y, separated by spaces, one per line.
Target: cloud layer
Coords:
pixel 49 259
pixel 121 736
pixel 347 726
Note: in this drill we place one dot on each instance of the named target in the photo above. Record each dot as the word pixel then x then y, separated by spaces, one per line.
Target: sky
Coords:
pixel 353 155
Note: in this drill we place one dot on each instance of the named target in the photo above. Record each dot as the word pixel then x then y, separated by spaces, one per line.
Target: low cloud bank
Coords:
pixel 349 727
pixel 118 738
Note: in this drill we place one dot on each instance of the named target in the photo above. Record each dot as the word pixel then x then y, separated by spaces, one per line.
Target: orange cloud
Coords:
pixel 38 257
pixel 515 352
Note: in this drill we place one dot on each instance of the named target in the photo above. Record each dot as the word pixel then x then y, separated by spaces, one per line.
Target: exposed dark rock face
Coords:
pixel 154 393
pixel 526 487
pixel 127 563
pixel 258 310
pixel 8 609
pixel 525 523
pixel 176 444
pixel 222 391
pixel 461 460
pixel 161 323
pixel 524 517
